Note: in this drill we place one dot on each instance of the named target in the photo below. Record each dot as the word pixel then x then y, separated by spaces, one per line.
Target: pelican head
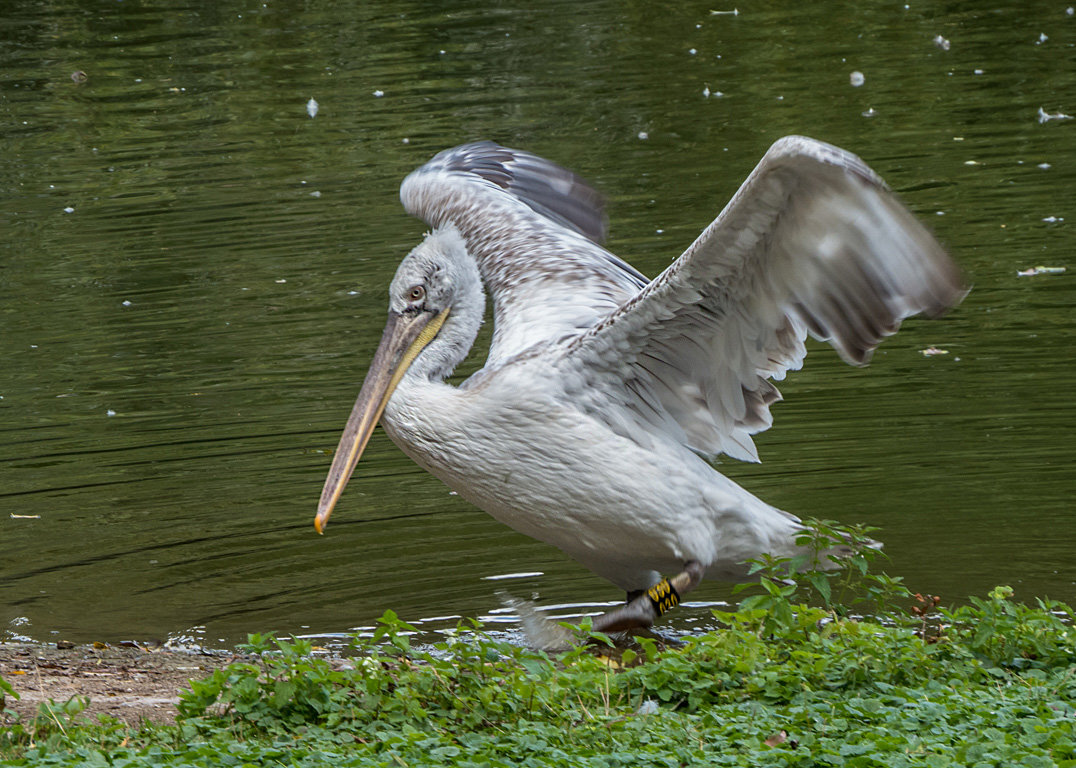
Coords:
pixel 436 279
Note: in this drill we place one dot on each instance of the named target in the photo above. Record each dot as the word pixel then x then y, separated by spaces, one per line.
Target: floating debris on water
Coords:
pixel 126 302
pixel 778 738
pixel 1052 219
pixel 378 94
pixel 315 193
pixel 932 351
pixel 312 108
pixel 643 135
pixel 24 517
pixel 869 113
pixel 1043 37
pixel 521 575
pixel 857 79
pixel 110 412
pixel 79 76
pixel 1045 116
pixel 1040 270
pixel 69 209
pixel 941 42
pixel 281 280
pixel 733 12
pixel 692 51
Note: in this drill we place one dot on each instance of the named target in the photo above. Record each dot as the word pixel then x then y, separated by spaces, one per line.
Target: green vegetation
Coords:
pixel 991 683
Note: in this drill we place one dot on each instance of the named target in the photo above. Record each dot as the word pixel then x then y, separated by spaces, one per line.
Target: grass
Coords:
pixel 787 682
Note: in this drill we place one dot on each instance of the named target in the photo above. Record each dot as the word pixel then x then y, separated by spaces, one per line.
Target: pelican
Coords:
pixel 605 395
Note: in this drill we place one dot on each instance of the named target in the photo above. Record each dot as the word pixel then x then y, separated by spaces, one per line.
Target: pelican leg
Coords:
pixel 643 608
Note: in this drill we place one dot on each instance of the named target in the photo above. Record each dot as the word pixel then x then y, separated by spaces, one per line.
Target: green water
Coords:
pixel 193 275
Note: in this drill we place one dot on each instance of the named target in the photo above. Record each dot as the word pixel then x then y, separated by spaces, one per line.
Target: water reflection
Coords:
pixel 190 163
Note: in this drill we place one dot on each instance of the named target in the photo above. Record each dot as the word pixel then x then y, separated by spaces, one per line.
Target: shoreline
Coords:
pixel 128 681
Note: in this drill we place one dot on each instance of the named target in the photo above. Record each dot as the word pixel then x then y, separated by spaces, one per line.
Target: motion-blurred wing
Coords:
pixel 813 242
pixel 533 227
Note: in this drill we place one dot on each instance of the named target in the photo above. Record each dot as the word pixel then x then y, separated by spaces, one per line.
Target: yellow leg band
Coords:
pixel 663 596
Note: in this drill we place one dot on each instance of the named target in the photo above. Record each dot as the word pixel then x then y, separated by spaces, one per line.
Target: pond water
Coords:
pixel 193 278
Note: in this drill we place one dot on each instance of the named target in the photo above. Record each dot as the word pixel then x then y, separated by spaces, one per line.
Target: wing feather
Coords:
pixel 534 229
pixel 812 243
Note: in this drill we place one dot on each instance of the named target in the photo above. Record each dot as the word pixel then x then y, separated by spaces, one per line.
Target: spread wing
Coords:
pixel 813 242
pixel 534 228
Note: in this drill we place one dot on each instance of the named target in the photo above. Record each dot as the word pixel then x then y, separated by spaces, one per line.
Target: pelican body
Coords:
pixel 604 395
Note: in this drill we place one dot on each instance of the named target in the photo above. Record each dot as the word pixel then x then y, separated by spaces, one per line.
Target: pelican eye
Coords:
pixel 417 293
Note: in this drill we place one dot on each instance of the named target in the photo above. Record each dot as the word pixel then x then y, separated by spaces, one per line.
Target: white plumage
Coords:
pixel 602 391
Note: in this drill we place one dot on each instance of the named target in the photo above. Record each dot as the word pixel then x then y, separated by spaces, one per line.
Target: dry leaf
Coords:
pixel 778 738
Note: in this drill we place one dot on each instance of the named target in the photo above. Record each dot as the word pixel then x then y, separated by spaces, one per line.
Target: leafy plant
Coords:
pixel 786 683
pixel 820 689
pixel 55 725
pixel 833 571
pixel 1000 631
pixel 289 688
pixel 6 689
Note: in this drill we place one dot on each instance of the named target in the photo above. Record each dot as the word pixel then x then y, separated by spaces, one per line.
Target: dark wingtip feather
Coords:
pixel 547 188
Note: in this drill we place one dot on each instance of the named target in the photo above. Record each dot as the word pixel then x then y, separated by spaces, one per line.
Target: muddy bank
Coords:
pixel 129 682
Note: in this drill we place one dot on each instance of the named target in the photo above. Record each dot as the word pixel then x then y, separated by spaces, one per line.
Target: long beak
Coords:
pixel 404 337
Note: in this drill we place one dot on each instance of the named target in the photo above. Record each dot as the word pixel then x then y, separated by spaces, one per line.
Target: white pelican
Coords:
pixel 604 393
